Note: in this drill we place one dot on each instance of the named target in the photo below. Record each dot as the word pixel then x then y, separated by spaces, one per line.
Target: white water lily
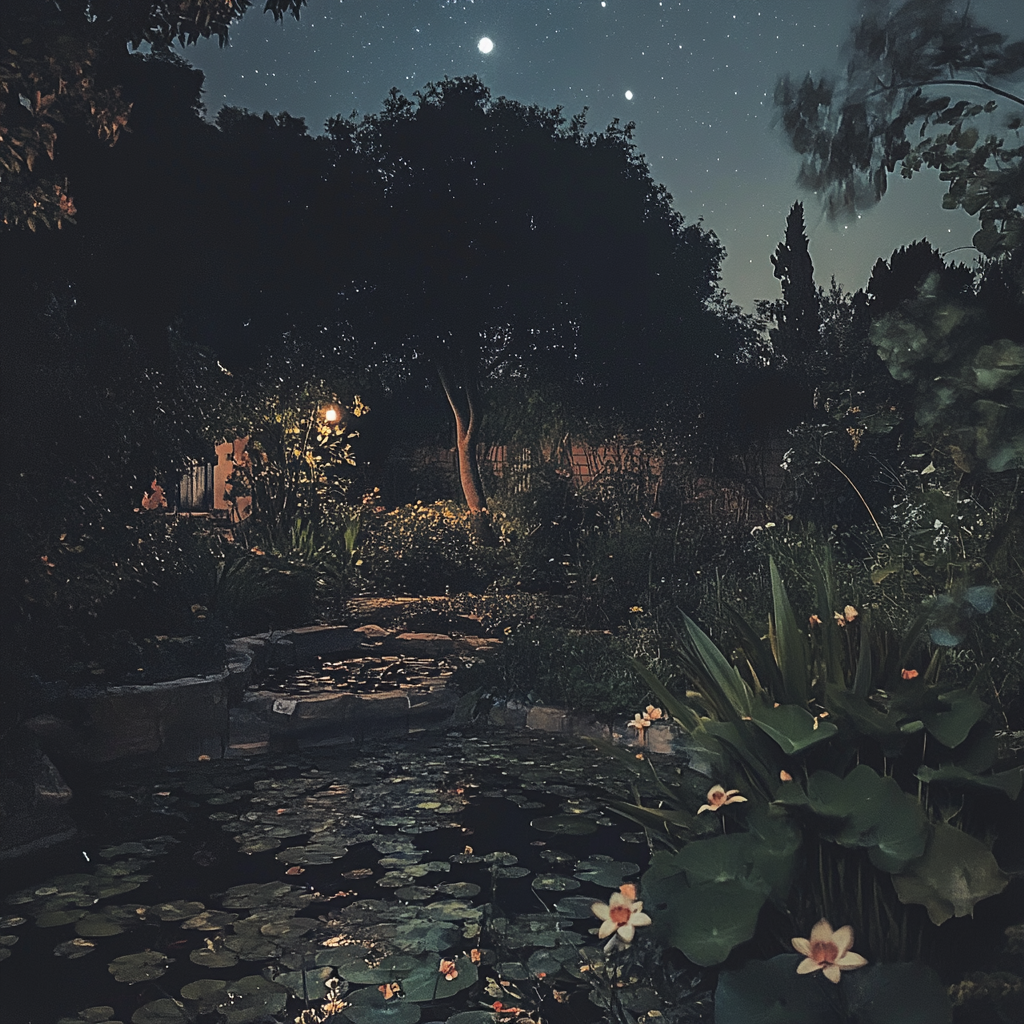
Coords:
pixel 828 951
pixel 620 917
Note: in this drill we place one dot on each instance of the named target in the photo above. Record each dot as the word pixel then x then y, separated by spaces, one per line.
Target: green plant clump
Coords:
pixel 866 791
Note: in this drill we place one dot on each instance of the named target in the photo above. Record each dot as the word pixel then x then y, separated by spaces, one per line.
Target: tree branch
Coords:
pixel 948 81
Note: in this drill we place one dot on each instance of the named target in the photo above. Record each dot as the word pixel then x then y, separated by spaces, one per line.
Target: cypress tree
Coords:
pixel 798 316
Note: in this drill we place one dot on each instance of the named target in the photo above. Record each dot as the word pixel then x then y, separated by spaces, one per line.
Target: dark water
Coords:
pixel 428 804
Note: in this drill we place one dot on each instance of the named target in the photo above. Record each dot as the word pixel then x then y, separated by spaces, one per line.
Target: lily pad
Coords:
pixel 210 921
pixel 368 1006
pixel 161 1011
pixel 565 824
pixel 55 918
pixel 178 910
pixel 74 949
pixel 460 890
pixel 255 894
pixel 555 883
pixel 136 967
pixel 213 958
pixel 427 984
pixel 576 907
pixel 96 1014
pixel 257 844
pixel 607 873
pixel 510 872
pixel 206 993
pixel 308 984
pixel 252 946
pixel 94 926
pixel 414 893
pixel 252 998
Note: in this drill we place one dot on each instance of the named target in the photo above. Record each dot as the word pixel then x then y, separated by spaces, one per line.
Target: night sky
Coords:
pixel 696 78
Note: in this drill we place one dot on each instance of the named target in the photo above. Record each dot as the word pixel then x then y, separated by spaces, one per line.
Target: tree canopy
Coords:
pixel 61 65
pixel 853 129
pixel 514 241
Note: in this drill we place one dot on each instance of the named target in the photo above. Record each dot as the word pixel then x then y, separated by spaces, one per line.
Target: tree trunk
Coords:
pixel 465 403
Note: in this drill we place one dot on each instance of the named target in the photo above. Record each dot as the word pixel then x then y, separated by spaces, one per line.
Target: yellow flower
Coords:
pixel 784 776
pixel 653 713
pixel 850 613
pixel 718 797
pixel 814 621
pixel 620 917
pixel 828 951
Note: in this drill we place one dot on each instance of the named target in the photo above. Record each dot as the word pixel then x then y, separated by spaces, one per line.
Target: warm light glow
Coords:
pixel 331 414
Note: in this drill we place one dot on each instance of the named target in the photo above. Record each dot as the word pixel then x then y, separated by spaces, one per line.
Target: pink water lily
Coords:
pixel 718 797
pixel 828 951
pixel 620 917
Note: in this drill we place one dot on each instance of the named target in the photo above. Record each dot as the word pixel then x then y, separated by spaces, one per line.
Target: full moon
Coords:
pixel 629 94
pixel 485 45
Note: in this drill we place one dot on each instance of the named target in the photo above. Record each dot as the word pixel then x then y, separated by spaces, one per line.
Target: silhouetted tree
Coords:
pixel 515 243
pixel 852 131
pixel 61 64
pixel 798 315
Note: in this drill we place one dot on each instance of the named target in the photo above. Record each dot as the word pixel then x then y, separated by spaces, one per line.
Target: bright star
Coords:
pixel 485 45
pixel 629 95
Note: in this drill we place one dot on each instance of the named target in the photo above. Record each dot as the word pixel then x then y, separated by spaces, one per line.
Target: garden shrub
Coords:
pixel 424 549
pixel 575 669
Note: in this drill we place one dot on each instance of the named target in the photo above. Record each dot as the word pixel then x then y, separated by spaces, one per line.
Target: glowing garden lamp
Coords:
pixel 331 414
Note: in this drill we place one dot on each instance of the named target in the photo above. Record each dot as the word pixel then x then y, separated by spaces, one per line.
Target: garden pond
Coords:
pixel 448 877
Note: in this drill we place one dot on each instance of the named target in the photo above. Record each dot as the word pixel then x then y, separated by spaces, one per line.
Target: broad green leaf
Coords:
pixel 707 922
pixel 793 655
pixel 956 872
pixel 771 992
pixel 864 809
pixel 897 993
pixel 727 858
pixel 726 684
pixel 758 654
pixel 951 727
pixel 1008 782
pixel 866 719
pixel 656 818
pixel 752 748
pixel 862 679
pixel 792 727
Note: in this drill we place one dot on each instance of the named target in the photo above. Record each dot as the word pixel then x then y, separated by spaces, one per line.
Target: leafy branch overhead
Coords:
pixel 58 67
pixel 854 129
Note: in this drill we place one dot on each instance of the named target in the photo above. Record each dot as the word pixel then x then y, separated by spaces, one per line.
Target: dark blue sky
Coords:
pixel 701 78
